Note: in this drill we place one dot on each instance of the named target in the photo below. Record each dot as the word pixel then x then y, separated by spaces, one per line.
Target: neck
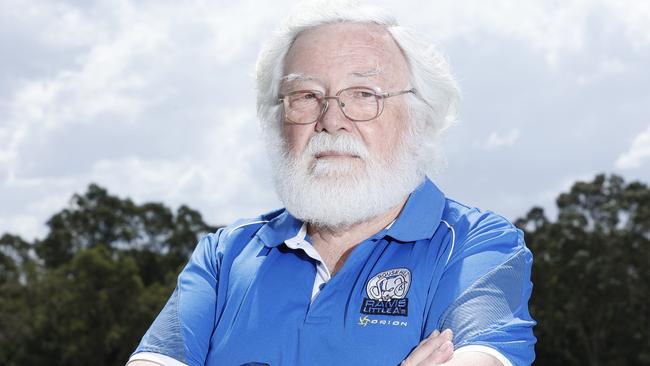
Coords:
pixel 350 236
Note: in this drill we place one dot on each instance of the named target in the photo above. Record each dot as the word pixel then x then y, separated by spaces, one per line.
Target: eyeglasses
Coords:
pixel 359 104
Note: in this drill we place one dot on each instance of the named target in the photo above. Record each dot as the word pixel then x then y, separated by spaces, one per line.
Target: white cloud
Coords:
pixel 497 140
pixel 56 24
pixel 138 107
pixel 634 15
pixel 27 225
pixel 557 30
pixel 638 153
pixel 538 24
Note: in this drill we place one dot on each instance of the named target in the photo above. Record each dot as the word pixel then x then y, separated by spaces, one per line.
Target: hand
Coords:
pixel 434 350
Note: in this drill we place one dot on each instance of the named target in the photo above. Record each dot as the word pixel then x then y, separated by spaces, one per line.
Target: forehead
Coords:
pixel 347 51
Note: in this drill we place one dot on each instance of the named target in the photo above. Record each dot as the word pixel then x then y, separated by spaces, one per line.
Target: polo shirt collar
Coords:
pixel 279 229
pixel 418 220
pixel 421 215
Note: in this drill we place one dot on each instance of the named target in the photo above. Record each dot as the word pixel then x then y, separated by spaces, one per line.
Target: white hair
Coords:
pixel 431 110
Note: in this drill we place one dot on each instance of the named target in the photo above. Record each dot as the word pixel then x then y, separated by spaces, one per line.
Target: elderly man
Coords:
pixel 369 263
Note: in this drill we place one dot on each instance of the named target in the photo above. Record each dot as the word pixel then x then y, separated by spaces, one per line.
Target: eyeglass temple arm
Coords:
pixel 394 94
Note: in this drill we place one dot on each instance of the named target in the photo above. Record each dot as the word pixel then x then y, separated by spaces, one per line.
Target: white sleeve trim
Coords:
pixel 484 349
pixel 453 240
pixel 246 224
pixel 157 358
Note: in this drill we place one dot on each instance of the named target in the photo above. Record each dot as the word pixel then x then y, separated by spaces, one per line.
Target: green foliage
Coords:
pixel 14 258
pixel 99 219
pixel 590 275
pixel 86 293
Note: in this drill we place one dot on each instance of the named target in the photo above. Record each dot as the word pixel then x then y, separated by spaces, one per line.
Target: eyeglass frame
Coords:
pixel 325 104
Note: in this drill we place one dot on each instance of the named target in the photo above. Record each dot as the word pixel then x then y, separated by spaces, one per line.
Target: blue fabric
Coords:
pixel 244 297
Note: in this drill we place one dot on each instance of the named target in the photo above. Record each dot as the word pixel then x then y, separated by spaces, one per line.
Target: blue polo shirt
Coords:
pixel 255 292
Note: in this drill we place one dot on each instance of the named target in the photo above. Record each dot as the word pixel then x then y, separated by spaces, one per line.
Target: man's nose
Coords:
pixel 332 119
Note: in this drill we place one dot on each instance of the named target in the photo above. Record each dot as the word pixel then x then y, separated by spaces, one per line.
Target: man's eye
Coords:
pixel 306 97
pixel 364 94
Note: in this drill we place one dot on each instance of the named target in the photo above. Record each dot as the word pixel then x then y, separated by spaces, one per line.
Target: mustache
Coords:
pixel 340 143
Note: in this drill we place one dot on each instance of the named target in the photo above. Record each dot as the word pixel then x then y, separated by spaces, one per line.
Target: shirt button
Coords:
pixel 320 287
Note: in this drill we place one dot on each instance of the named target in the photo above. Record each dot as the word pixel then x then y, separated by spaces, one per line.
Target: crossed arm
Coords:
pixel 437 349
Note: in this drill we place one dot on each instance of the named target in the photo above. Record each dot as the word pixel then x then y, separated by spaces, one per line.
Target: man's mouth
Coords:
pixel 334 154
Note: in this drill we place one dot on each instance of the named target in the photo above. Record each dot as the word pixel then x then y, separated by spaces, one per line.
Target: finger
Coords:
pixel 435 333
pixel 440 355
pixel 448 334
pixel 426 347
pixel 432 335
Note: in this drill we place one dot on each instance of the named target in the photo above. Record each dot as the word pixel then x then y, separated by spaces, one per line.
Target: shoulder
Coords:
pixel 237 234
pixel 479 231
pixel 248 225
pixel 468 219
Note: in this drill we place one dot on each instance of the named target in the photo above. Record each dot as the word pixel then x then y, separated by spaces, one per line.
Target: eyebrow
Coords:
pixel 299 77
pixel 366 74
pixel 302 77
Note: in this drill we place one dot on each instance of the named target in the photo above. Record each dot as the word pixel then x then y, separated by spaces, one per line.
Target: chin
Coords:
pixel 337 168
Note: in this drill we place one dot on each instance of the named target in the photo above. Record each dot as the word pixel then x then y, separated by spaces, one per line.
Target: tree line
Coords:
pixel 87 291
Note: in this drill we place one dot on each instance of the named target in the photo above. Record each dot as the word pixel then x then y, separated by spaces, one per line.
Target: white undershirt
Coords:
pixel 322 272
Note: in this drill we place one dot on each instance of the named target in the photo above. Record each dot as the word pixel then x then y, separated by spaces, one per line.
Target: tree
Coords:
pixel 15 262
pixel 87 292
pixel 17 268
pixel 590 275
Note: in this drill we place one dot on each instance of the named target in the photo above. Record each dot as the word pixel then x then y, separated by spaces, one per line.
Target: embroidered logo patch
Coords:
pixel 387 293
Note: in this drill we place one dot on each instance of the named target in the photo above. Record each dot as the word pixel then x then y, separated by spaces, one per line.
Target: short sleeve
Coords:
pixel 184 327
pixel 484 291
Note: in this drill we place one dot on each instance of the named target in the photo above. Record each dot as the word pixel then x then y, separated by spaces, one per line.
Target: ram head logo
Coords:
pixel 388 285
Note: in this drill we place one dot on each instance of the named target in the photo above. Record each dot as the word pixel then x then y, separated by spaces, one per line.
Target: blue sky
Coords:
pixel 154 100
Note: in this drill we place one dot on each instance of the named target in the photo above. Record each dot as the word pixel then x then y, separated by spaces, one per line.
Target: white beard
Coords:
pixel 336 193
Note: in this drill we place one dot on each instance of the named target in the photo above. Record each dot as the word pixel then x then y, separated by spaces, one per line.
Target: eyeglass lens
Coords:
pixel 358 104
